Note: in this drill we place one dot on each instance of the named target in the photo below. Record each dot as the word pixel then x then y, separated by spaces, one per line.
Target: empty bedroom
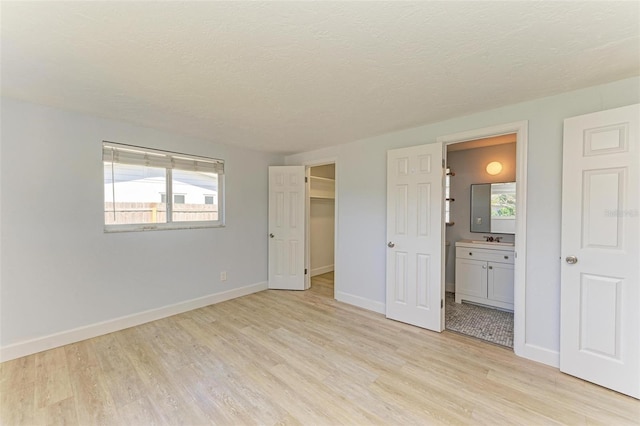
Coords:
pixel 319 213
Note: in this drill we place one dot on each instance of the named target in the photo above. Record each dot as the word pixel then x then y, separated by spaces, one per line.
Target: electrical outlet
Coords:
pixel 223 276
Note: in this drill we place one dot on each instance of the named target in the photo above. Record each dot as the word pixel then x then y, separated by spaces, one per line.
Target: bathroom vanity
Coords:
pixel 484 273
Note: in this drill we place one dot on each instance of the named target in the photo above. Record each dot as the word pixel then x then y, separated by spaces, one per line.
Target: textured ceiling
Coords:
pixel 295 76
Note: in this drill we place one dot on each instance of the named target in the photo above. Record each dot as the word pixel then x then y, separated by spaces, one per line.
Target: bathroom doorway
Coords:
pixel 480 235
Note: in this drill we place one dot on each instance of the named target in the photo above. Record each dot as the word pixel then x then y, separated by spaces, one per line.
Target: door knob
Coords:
pixel 391 245
pixel 271 235
pixel 571 260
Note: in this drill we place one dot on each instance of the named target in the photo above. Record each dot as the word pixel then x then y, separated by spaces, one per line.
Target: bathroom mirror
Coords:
pixel 493 208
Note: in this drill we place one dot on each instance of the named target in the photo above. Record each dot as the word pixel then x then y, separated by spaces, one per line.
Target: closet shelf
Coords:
pixel 322 187
pixel 322 178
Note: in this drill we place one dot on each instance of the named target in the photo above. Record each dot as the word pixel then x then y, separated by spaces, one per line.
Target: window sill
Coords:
pixel 108 229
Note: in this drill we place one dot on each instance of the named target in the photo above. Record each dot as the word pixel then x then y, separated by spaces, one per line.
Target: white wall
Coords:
pixel 361 165
pixel 60 271
pixel 469 167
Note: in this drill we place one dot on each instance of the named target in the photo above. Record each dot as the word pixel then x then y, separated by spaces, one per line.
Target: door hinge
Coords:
pixel 305 271
pixel 443 163
pixel 306 179
pixel 441 303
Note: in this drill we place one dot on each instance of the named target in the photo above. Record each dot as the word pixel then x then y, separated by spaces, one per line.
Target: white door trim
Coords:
pixel 308 164
pixel 521 128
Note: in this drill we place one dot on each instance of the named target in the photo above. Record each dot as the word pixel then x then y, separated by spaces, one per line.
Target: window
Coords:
pixel 137 181
pixel 177 198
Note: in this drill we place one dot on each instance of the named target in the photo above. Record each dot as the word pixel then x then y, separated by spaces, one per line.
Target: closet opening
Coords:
pixel 321 225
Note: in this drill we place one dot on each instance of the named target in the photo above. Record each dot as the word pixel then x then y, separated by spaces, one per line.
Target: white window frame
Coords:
pixel 132 154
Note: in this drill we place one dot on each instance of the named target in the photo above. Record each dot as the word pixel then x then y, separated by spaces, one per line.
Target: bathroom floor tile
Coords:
pixel 489 324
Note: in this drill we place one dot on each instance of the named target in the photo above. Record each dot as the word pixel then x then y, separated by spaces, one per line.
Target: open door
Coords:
pixel 287 227
pixel 600 290
pixel 414 236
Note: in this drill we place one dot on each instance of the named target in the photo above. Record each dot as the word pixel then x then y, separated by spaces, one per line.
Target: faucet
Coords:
pixel 491 239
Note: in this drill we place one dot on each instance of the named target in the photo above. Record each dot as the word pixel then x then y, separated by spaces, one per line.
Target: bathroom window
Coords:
pixel 148 189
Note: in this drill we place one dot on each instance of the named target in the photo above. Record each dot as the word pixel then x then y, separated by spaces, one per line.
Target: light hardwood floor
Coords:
pixel 279 357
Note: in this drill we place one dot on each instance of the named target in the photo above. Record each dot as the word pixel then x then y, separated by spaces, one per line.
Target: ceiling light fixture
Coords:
pixel 494 167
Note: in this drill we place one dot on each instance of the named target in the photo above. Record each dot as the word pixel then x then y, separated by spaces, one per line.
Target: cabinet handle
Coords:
pixel 490 267
pixel 484 266
pixel 506 257
pixel 470 254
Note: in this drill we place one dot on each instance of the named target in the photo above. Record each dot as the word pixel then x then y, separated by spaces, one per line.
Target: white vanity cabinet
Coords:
pixel 484 274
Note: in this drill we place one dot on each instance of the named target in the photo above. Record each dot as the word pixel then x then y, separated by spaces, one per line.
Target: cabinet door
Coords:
pixel 500 282
pixel 471 277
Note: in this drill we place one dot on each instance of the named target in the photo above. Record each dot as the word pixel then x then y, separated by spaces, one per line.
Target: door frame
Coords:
pixel 521 129
pixel 307 236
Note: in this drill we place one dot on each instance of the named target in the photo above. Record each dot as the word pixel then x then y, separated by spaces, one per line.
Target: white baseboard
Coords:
pixel 39 344
pixel 321 270
pixel 360 302
pixel 538 354
pixel 450 287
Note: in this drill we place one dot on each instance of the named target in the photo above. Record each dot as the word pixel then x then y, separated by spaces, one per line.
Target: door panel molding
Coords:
pixel 599 293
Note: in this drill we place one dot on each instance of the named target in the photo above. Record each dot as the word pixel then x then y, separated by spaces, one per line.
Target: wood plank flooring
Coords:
pixel 280 357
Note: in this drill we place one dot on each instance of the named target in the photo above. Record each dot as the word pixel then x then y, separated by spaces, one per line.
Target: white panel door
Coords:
pixel 600 297
pixel 414 235
pixel 286 227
